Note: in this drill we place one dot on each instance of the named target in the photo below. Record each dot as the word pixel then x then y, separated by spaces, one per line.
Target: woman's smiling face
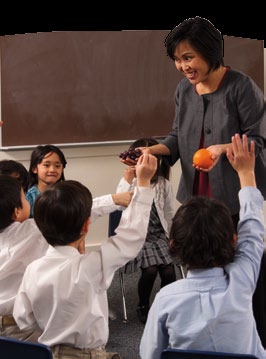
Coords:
pixel 190 63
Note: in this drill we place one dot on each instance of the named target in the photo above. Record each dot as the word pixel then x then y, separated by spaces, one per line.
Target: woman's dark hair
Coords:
pixel 163 168
pixel 202 36
pixel 38 155
pixel 202 233
pixel 17 170
pixel 10 198
pixel 61 211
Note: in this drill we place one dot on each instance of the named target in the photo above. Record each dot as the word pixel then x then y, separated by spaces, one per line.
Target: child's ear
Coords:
pixel 17 215
pixel 34 170
pixel 86 225
pixel 82 246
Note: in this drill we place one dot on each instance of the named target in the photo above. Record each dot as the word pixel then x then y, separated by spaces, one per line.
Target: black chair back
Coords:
pixel 200 354
pixel 11 348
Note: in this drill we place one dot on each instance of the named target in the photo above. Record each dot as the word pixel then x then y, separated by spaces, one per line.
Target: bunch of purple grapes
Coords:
pixel 132 153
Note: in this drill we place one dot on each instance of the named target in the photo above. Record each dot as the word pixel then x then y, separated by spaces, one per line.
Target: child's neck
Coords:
pixel 43 186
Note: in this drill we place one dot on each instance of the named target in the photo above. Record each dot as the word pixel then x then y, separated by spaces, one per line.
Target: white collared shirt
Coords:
pixel 65 293
pixel 20 244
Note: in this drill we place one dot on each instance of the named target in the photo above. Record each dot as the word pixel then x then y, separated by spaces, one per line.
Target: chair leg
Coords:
pixel 122 285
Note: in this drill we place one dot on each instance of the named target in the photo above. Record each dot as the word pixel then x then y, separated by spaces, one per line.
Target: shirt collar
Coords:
pixel 210 272
pixel 67 251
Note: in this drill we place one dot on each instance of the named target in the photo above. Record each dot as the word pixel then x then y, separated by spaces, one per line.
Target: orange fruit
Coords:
pixel 202 158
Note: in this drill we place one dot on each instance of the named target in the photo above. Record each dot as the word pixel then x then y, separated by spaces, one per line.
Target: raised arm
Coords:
pixel 145 169
pixel 242 158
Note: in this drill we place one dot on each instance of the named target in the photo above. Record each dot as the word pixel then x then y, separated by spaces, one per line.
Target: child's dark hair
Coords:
pixel 17 170
pixel 202 233
pixel 61 211
pixel 163 168
pixel 38 155
pixel 10 198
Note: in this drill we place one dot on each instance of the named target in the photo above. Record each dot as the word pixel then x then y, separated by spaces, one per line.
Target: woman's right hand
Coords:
pixel 130 162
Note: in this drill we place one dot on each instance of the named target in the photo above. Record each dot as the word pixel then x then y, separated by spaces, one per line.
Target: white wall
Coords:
pixel 99 168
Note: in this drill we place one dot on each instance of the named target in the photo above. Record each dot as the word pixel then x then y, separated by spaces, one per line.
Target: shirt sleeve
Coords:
pixel 128 241
pixel 250 235
pixel 102 205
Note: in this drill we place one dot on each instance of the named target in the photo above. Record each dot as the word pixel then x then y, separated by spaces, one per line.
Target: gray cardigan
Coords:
pixel 238 106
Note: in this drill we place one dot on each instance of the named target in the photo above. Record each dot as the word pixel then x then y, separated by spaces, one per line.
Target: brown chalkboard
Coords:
pixel 82 87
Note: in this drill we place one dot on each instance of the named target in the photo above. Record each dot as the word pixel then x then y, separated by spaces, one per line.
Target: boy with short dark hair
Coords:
pixel 68 300
pixel 211 309
pixel 21 241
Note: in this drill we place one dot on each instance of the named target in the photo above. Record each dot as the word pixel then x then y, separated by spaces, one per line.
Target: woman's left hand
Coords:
pixel 216 152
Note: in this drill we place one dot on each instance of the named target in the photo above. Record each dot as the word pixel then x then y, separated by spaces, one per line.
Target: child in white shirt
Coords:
pixel 21 242
pixel 65 292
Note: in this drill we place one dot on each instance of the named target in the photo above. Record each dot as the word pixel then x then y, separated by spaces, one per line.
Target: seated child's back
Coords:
pixel 211 309
pixel 21 242
pixel 70 305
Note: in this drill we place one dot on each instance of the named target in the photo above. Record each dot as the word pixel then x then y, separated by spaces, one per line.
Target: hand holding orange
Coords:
pixel 202 158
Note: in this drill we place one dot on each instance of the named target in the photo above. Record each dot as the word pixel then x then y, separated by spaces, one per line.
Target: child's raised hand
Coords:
pixel 242 159
pixel 145 169
pixel 130 174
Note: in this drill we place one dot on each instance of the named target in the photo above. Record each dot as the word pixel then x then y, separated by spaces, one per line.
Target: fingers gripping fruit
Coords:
pixel 202 158
pixel 132 153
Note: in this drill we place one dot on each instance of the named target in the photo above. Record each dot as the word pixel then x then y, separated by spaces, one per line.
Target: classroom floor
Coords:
pixel 124 338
